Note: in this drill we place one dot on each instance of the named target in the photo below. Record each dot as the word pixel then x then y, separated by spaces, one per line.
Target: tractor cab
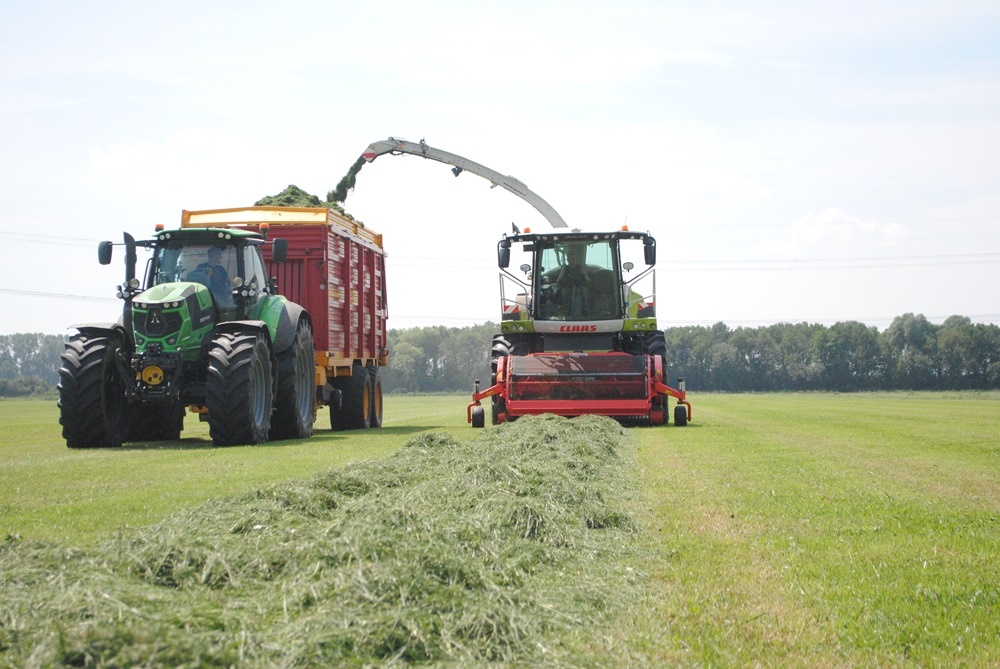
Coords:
pixel 228 263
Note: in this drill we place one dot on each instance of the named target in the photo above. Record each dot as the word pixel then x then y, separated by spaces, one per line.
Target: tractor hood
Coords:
pixel 174 315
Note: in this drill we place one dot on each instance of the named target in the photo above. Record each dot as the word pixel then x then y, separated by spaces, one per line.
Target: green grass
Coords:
pixel 797 530
pixel 824 530
pixel 50 492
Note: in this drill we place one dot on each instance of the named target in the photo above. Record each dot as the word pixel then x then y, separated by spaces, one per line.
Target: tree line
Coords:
pixel 911 354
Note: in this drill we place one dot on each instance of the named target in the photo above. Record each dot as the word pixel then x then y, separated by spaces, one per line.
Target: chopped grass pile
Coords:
pixel 504 549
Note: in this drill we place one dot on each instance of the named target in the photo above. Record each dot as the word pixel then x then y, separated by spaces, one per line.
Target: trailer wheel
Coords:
pixel 355 414
pixel 240 389
pixel 478 417
pixel 680 415
pixel 156 423
pixel 376 404
pixel 295 399
pixel 93 409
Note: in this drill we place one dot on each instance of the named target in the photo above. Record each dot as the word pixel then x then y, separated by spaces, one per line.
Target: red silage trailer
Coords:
pixel 335 269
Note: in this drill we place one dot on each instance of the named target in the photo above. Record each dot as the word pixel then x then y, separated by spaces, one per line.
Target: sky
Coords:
pixel 796 161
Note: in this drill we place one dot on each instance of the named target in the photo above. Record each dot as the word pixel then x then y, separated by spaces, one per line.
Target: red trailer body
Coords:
pixel 335 269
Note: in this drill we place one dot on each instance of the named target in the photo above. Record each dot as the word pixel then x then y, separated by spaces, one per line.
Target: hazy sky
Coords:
pixel 796 161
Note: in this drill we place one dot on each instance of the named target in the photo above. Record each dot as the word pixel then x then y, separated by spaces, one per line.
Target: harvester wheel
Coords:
pixel 376 404
pixel 240 388
pixel 93 409
pixel 478 417
pixel 295 399
pixel 680 415
pixel 155 423
pixel 656 344
pixel 356 412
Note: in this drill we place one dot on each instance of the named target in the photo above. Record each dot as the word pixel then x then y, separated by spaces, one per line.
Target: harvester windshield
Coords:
pixel 578 281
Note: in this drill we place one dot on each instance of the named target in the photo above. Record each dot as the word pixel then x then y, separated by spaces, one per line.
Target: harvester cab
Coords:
pixel 578 331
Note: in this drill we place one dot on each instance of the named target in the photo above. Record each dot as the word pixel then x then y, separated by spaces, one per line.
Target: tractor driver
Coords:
pixel 218 277
pixel 574 286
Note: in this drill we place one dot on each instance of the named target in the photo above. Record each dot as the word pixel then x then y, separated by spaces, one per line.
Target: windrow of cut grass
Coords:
pixel 509 549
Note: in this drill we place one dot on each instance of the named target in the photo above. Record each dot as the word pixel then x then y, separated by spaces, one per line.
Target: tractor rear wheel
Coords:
pixel 295 398
pixel 93 409
pixel 156 423
pixel 356 412
pixel 240 388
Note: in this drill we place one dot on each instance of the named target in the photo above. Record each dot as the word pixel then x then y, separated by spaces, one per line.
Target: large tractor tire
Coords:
pixel 93 409
pixel 356 410
pixel 375 379
pixel 295 399
pixel 155 423
pixel 240 388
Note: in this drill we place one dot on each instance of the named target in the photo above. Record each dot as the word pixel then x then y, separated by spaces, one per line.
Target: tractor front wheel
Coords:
pixel 93 409
pixel 240 388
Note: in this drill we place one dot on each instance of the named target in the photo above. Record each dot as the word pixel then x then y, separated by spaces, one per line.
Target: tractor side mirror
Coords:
pixel 130 257
pixel 104 253
pixel 503 253
pixel 279 250
pixel 649 250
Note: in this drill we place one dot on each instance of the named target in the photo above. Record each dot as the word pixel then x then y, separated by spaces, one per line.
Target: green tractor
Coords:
pixel 204 328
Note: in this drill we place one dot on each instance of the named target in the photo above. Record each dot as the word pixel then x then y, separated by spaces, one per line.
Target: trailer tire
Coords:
pixel 240 388
pixel 680 415
pixel 376 403
pixel 295 398
pixel 355 414
pixel 478 417
pixel 156 423
pixel 93 408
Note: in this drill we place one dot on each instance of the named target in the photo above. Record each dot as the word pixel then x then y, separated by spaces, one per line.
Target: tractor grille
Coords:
pixel 156 323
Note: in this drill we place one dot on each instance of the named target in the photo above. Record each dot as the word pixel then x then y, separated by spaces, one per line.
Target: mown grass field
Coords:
pixel 802 530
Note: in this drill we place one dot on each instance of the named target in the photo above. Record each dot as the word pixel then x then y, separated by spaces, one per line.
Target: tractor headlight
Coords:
pixel 133 283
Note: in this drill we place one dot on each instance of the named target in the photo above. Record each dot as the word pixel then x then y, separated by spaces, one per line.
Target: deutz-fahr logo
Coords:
pixel 578 328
